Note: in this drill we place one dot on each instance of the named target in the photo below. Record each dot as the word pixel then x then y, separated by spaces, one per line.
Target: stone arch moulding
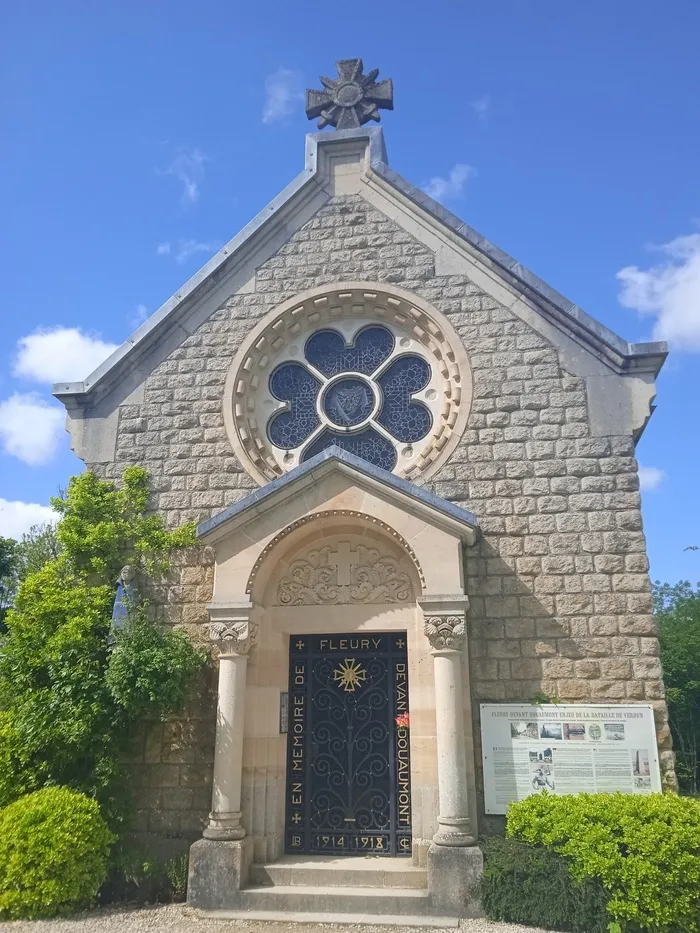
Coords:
pixel 338 515
pixel 347 307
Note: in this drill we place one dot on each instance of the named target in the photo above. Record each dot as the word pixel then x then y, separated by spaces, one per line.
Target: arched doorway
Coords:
pixel 341 641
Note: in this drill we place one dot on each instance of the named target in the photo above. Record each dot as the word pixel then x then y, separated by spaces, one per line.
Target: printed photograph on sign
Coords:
pixel 542 775
pixel 524 730
pixel 640 762
pixel 614 731
pixel 551 730
pixel 574 731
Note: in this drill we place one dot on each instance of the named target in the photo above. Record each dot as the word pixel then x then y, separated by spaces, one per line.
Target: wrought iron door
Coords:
pixel 348 765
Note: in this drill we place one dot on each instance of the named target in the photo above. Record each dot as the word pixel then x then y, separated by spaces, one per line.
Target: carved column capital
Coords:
pixel 445 632
pixel 231 628
pixel 445 625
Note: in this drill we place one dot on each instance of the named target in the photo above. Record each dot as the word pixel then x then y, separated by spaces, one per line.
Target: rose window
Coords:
pixel 357 392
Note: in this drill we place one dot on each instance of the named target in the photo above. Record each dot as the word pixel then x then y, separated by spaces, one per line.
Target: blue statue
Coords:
pixel 126 596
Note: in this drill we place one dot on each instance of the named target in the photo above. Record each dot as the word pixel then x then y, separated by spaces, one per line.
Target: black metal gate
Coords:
pixel 348 765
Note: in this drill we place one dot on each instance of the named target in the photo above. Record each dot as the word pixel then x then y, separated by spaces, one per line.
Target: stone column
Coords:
pixel 234 639
pixel 220 862
pixel 454 861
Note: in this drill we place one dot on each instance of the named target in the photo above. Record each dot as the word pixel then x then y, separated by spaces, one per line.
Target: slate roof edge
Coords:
pixel 518 271
pixel 406 487
pixel 160 320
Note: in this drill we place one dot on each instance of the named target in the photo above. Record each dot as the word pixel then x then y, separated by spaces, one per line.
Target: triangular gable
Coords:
pixel 330 159
pixel 403 493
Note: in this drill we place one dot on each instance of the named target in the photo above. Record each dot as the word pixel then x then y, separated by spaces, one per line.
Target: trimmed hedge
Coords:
pixel 54 847
pixel 534 886
pixel 645 851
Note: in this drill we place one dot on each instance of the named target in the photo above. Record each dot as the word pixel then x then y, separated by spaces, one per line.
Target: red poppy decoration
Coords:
pixel 403 721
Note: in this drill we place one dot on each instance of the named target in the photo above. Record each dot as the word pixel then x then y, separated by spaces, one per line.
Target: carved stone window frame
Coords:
pixel 417 327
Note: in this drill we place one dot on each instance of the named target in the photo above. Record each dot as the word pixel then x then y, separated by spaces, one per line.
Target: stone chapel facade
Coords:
pixel 412 465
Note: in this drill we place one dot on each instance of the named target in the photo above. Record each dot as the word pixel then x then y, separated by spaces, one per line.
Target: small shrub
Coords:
pixel 533 885
pixel 176 870
pixel 54 847
pixel 152 669
pixel 645 850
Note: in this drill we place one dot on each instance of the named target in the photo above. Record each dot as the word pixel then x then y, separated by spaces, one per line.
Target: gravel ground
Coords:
pixel 176 918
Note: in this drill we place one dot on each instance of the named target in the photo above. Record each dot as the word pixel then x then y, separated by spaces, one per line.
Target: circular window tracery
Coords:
pixel 376 372
pixel 346 387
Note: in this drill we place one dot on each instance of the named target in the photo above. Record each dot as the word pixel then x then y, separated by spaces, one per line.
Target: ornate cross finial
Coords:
pixel 350 100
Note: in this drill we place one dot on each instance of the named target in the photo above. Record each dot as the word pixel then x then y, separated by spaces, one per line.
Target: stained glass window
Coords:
pixel 350 402
pixel 327 352
pixel 368 445
pixel 407 421
pixel 293 383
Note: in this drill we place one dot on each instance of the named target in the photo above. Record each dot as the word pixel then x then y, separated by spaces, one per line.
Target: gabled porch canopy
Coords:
pixel 336 484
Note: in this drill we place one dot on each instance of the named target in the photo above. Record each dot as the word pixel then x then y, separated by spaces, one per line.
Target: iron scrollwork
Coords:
pixel 348 779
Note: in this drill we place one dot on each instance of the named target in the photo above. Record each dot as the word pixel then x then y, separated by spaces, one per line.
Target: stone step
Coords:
pixel 349 871
pixel 402 920
pixel 336 900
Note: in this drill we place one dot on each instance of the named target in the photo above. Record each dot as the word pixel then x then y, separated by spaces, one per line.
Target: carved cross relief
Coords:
pixel 344 559
pixel 344 574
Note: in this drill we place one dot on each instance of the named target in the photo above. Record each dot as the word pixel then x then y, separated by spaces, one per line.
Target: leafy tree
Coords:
pixel 71 690
pixel 677 610
pixel 35 548
pixel 8 548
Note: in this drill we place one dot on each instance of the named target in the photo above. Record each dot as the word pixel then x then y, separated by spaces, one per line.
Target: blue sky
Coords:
pixel 136 138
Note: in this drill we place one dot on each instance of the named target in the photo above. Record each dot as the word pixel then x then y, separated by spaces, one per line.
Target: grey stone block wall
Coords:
pixel 559 586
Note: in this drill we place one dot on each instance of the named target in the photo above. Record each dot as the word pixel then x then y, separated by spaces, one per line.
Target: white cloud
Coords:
pixel 442 189
pixel 670 291
pixel 481 105
pixel 188 168
pixel 16 518
pixel 283 93
pixel 183 250
pixel 64 354
pixel 650 478
pixel 30 428
pixel 139 316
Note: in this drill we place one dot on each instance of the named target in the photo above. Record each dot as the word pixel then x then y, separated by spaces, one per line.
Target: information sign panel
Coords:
pixel 566 749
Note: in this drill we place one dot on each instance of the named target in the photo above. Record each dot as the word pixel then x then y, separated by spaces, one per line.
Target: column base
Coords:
pixel 224 827
pixel 454 832
pixel 218 870
pixel 453 879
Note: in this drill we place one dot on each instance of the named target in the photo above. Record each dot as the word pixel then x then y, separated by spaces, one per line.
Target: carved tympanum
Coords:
pixel 445 631
pixel 328 577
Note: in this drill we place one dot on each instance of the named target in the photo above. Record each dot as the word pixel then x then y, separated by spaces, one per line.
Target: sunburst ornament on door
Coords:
pixel 349 675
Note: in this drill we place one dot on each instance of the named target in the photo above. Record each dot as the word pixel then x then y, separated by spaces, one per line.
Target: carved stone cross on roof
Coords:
pixel 351 99
pixel 344 559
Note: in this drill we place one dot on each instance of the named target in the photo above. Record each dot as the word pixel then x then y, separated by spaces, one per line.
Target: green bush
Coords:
pixel 54 847
pixel 72 693
pixel 533 885
pixel 645 850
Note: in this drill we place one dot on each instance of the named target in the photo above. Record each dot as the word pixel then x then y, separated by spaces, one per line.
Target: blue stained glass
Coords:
pixel 367 444
pixel 348 402
pixel 294 384
pixel 405 420
pixel 327 352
